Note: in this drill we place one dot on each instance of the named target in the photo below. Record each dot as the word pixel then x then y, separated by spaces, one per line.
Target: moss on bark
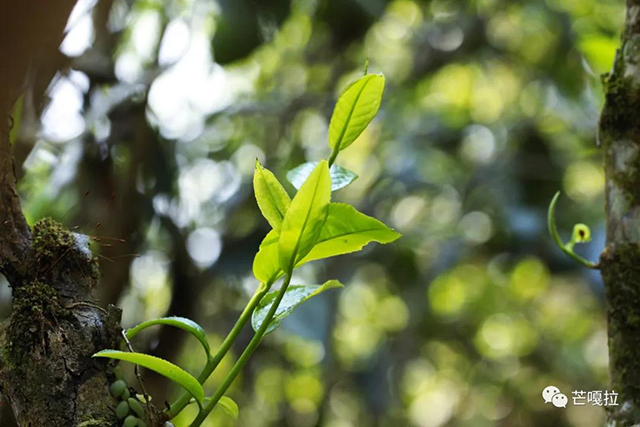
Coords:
pixel 620 126
pixel 620 265
pixel 619 134
pixel 36 308
pixel 621 270
pixel 46 369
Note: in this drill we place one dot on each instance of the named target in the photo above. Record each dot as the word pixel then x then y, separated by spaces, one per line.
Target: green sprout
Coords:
pixel 304 228
pixel 581 234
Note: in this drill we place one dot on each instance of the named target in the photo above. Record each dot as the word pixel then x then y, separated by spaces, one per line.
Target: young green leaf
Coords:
pixel 229 406
pixel 179 322
pixel 356 107
pixel 272 198
pixel 266 266
pixel 340 177
pixel 293 297
pixel 303 221
pixel 347 230
pixel 161 366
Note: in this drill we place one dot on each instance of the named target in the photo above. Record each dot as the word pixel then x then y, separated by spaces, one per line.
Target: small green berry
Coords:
pixel 122 410
pixel 131 421
pixel 136 407
pixel 126 394
pixel 117 388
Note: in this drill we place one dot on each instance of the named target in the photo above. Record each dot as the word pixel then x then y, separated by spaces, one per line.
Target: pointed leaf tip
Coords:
pixel 273 200
pixel 356 107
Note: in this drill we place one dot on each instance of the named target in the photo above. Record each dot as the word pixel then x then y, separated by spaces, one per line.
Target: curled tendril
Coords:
pixel 581 234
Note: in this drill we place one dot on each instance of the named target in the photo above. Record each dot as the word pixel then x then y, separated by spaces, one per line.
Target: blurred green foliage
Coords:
pixel 491 107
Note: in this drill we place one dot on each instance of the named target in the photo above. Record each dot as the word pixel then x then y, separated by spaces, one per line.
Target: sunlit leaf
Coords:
pixel 347 230
pixel 229 406
pixel 340 177
pixel 304 218
pixel 293 297
pixel 356 107
pixel 179 322
pixel 161 366
pixel 266 266
pixel 272 198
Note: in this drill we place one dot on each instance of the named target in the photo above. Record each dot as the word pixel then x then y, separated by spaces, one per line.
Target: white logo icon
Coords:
pixel 559 400
pixel 551 394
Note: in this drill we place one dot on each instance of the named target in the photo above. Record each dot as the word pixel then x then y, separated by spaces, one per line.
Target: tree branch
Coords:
pixel 619 135
pixel 15 236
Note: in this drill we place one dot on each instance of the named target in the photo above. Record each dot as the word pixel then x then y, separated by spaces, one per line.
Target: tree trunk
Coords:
pixel 619 134
pixel 46 369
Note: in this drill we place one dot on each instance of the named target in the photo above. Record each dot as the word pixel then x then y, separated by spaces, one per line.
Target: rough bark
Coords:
pixel 619 135
pixel 15 235
pixel 46 370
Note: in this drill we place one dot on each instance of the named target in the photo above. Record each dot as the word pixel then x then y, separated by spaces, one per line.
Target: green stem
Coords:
pixel 246 355
pixel 334 154
pixel 568 247
pixel 215 360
